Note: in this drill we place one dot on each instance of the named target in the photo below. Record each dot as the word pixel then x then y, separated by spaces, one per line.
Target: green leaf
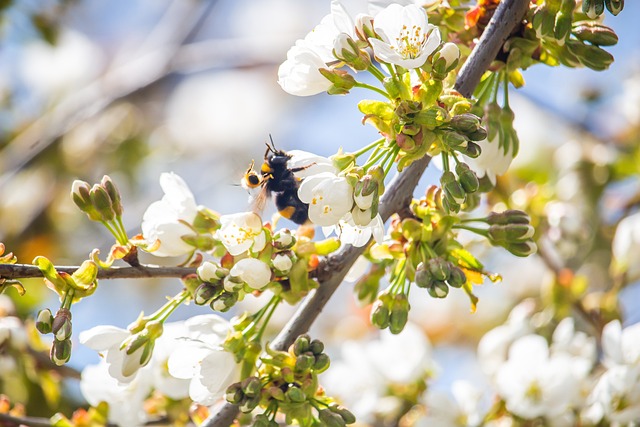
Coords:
pixel 466 259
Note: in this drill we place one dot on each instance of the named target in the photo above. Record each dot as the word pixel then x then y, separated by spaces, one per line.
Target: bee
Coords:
pixel 277 178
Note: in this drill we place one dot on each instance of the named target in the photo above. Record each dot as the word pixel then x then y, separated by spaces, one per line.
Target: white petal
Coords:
pixel 103 337
pixel 184 362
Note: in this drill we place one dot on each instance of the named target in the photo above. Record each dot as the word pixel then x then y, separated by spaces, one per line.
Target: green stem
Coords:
pixel 480 231
pixel 275 301
pixel 373 88
pixel 111 230
pixel 374 159
pixel 163 313
pixel 368 147
pixel 390 158
pixel 376 72
pixel 506 89
pixel 124 239
pixel 474 220
pixel 445 161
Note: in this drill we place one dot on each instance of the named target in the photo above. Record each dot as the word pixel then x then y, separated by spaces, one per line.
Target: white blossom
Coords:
pixel 165 219
pixel 357 235
pixel 534 383
pixel 201 359
pixel 108 340
pixel 616 396
pixel 241 232
pixel 626 246
pixel 282 263
pixel 492 161
pixel 406 37
pixel 329 198
pixel 311 163
pixel 299 75
pixel 444 411
pixel 253 272
pixel 126 401
pixel 621 346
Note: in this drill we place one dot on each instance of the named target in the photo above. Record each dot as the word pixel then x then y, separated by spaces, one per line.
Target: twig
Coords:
pixel 25 271
pixel 44 362
pixel 11 421
pixel 332 270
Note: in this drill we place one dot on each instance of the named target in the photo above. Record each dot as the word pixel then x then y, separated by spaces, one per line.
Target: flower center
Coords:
pixel 410 41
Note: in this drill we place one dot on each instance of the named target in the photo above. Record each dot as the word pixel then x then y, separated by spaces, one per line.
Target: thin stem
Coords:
pixel 275 302
pixel 368 147
pixel 111 229
pixel 123 232
pixel 163 313
pixel 506 90
pixel 376 72
pixel 374 159
pixel 445 161
pixel 373 88
pixel 391 161
pixel 480 231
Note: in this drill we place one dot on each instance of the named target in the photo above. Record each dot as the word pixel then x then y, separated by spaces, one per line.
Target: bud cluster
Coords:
pixel 460 189
pixel 101 203
pixel 60 326
pixel 437 274
pixel 512 230
pixel 218 289
pixel 287 382
pixel 390 311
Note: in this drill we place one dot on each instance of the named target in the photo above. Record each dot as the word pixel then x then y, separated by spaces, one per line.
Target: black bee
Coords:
pixel 278 179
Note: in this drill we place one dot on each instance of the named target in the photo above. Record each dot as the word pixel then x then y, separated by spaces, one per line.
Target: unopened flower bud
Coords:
pixel 522 249
pixel 439 268
pixel 438 290
pixel 346 49
pixel 380 315
pixel 304 362
pixel 295 395
pixel 60 352
pixel 467 178
pixel 316 347
pixel 477 135
pixel 342 81
pixel 457 278
pixel 592 8
pixel 465 123
pixel 614 6
pixel 454 139
pixel 102 203
pixel 210 272
pixel 234 393
pixel 449 204
pixel 364 27
pixel 288 375
pixel 61 326
pixel 346 415
pixel 399 314
pixel 282 262
pixel 206 292
pixel 114 195
pixel 322 363
pixel 251 386
pixel 472 150
pixel 452 187
pixel 511 216
pixel 330 419
pixel 224 302
pixel 44 321
pixel 594 33
pixel 81 197
pixel 283 239
pixel 301 344
pixel 249 403
pixel 365 191
pixel 423 277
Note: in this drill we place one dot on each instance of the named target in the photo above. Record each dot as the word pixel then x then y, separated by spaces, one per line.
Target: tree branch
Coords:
pixel 25 271
pixel 397 196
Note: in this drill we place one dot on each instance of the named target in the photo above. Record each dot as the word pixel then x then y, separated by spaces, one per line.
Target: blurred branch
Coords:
pixel 7 420
pixel 44 362
pixel 181 20
pixel 397 196
pixel 25 271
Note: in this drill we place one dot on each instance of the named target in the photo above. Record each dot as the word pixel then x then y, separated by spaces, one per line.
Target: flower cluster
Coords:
pixel 287 383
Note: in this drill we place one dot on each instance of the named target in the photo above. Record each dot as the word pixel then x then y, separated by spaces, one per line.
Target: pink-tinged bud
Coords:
pixel 61 326
pixel 60 352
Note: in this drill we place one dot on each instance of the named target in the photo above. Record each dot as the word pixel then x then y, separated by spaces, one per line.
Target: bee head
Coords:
pixel 251 179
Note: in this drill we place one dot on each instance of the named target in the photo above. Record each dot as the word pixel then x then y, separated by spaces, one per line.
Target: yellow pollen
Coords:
pixel 410 42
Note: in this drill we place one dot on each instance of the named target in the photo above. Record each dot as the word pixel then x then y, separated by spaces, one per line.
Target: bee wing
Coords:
pixel 259 200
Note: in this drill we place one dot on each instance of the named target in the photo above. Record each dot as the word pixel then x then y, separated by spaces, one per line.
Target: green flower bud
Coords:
pixel 479 134
pixel 449 204
pixel 251 386
pixel 457 278
pixel 287 374
pixel 330 419
pixel 423 276
pixel 316 347
pixel 206 292
pixel 295 395
pixel 439 268
pixel 522 249
pixel 454 139
pixel 304 362
pixel 80 194
pixel 399 314
pixel 439 290
pixel 592 8
pixel 346 415
pixel 467 178
pixel 102 202
pixel 61 326
pixel 472 150
pixel 249 403
pixel 342 81
pixel 614 6
pixel 322 363
pixel 261 420
pixel 114 195
pixel 44 321
pixel 511 216
pixel 234 393
pixel 283 239
pixel 594 33
pixel 405 142
pixel 224 302
pixel 60 352
pixel 465 123
pixel 276 393
pixel 301 344
pixel 452 187
pixel 379 315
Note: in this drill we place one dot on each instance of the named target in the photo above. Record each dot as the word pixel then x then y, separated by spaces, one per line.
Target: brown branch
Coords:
pixel 11 421
pixel 25 271
pixel 397 196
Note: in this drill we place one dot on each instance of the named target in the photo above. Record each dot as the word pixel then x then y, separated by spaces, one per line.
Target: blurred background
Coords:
pixel 134 88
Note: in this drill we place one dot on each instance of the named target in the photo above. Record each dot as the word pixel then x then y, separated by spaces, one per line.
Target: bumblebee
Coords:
pixel 277 179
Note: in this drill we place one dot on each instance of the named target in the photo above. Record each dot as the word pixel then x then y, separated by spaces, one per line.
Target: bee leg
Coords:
pixel 301 168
